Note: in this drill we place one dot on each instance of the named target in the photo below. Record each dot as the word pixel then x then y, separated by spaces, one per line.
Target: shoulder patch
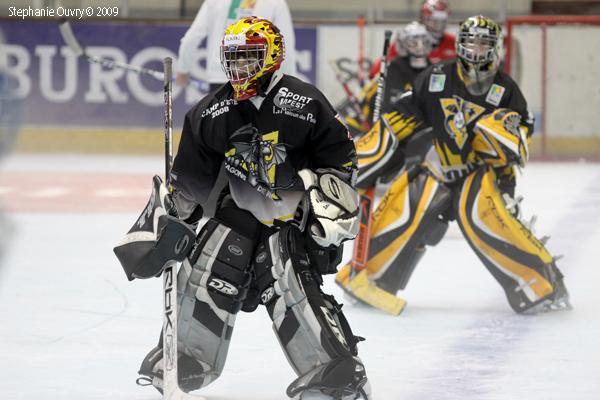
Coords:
pixel 437 82
pixel 495 94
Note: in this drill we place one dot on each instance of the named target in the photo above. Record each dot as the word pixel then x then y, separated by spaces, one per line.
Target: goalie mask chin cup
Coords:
pixel 251 50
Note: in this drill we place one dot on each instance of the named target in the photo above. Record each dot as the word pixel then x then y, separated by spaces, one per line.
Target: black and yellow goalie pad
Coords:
pixel 509 250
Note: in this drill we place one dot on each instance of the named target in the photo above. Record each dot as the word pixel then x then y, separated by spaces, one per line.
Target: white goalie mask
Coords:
pixel 416 43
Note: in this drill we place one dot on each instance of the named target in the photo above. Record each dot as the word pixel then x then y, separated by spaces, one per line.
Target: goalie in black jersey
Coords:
pixel 481 129
pixel 413 45
pixel 289 205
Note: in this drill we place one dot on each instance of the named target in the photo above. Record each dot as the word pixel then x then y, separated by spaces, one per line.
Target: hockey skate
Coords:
pixel 151 371
pixel 328 382
pixel 558 300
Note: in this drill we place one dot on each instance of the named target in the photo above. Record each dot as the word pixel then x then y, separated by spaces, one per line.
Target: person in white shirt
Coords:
pixel 211 21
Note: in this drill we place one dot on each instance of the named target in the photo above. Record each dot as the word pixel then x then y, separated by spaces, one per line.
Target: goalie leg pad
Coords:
pixel 309 324
pixel 212 286
pixel 509 250
pixel 405 221
pixel 376 151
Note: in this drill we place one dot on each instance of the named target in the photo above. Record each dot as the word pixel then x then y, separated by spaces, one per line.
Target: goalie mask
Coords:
pixel 415 41
pixel 434 15
pixel 478 47
pixel 251 50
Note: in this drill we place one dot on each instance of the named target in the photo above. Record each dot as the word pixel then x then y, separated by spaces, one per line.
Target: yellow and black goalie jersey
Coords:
pixel 440 100
pixel 399 80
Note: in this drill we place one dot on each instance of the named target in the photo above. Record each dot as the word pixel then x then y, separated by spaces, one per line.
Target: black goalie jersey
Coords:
pixel 399 80
pixel 441 100
pixel 263 143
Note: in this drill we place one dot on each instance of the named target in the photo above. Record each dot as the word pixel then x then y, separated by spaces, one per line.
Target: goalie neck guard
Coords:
pixel 251 50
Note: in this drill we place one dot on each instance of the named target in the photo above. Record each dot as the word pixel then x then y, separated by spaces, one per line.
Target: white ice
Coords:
pixel 73 328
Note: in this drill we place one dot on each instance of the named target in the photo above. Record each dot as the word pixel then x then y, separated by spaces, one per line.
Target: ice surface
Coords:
pixel 73 328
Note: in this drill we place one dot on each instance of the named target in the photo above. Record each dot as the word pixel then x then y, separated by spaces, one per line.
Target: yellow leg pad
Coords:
pixel 499 238
pixel 390 216
pixel 392 207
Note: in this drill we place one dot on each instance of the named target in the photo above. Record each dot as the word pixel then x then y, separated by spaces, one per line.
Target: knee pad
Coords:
pixel 220 264
pixel 309 324
pixel 509 250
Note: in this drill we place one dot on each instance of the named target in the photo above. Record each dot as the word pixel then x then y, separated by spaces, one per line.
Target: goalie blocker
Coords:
pixel 156 238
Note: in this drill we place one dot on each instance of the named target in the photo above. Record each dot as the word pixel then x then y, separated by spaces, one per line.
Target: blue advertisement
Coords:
pixel 58 88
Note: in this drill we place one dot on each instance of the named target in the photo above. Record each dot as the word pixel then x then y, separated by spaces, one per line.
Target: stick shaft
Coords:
pixel 361 244
pixel 381 78
pixel 171 389
pixel 361 50
pixel 69 37
pixel 168 97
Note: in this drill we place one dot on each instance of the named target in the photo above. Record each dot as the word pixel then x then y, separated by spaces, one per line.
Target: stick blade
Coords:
pixel 367 292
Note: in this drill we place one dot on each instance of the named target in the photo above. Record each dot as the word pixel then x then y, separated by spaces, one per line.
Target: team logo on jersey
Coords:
pixel 254 158
pixel 291 101
pixel 495 94
pixel 437 82
pixel 292 104
pixel 459 113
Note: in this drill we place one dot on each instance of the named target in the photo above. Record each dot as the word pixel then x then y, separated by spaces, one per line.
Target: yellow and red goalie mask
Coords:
pixel 251 50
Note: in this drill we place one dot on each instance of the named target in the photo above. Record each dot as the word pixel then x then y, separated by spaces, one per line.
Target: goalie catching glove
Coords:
pixel 333 208
pixel 157 237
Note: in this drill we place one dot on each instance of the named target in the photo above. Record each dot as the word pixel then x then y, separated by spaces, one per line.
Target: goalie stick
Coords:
pixel 361 245
pixel 359 285
pixel 361 50
pixel 171 389
pixel 71 41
